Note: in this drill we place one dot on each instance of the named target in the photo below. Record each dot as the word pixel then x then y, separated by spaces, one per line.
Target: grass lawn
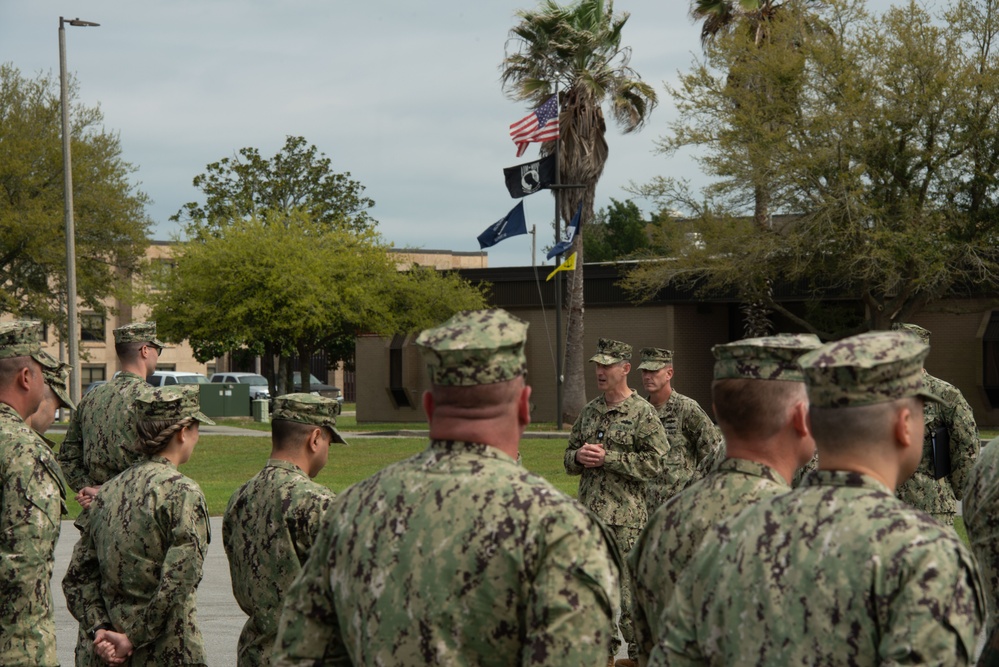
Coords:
pixel 221 464
pixel 349 423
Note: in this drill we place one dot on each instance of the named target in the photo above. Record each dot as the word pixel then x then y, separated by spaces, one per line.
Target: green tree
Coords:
pixel 577 50
pixel 299 177
pixel 885 179
pixel 315 287
pixel 109 210
pixel 617 232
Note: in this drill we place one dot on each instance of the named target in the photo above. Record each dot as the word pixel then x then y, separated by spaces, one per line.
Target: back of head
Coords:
pixel 130 339
pixel 757 381
pixel 19 341
pixel 162 411
pixel 295 416
pixel 473 357
pixel 854 385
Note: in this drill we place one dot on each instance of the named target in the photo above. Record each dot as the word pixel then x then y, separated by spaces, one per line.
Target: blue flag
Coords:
pixel 511 224
pixel 570 233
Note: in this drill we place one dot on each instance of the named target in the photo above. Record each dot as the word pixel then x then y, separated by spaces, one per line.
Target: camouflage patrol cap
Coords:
pixel 765 358
pixel 654 358
pixel 19 339
pixel 611 352
pixel 914 329
pixel 873 367
pixel 171 403
pixel 138 332
pixel 308 409
pixel 56 376
pixel 475 347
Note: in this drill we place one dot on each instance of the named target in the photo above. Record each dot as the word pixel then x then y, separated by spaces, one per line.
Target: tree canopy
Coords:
pixel 617 232
pixel 883 181
pixel 298 177
pixel 109 209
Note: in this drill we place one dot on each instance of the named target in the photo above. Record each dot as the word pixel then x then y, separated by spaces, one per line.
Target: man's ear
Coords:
pixel 799 419
pixel 428 405
pixel 669 372
pixel 524 405
pixel 903 428
pixel 314 436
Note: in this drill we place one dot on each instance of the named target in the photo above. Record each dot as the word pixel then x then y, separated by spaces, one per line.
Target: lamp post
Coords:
pixel 67 179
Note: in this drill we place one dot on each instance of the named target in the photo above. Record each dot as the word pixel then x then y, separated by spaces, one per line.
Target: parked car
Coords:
pixel 319 388
pixel 165 378
pixel 258 383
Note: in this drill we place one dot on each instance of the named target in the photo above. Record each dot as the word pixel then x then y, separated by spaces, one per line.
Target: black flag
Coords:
pixel 526 179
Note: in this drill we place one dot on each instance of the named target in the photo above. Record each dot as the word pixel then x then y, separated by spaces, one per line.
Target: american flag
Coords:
pixel 540 125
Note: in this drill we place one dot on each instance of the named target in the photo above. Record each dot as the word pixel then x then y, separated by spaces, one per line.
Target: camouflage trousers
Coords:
pixel 626 536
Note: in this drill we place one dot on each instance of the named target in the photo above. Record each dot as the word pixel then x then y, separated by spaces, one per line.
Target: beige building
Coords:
pixel 392 377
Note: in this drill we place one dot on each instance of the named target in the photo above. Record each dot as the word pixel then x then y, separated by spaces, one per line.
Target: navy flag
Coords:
pixel 570 234
pixel 511 224
pixel 526 179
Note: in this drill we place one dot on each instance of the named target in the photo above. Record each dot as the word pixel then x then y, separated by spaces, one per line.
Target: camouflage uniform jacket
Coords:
pixel 457 556
pixel 940 496
pixel 675 531
pixel 138 562
pixel 637 450
pixel 268 529
pixel 92 451
pixel 980 510
pixel 836 572
pixel 693 436
pixel 32 502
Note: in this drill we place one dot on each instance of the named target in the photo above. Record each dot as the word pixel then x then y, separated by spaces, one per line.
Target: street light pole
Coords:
pixel 67 169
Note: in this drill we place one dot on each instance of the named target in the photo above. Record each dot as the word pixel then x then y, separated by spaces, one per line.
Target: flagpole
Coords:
pixel 558 278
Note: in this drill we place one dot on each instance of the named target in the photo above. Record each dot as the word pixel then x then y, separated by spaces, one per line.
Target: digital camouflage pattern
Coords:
pixel 139 561
pixel 56 376
pixel 837 572
pixel 173 403
pixel 269 527
pixel 675 531
pixel 138 332
pixel 94 449
pixel 456 556
pixel 692 435
pixel 637 451
pixel 19 338
pixel 980 510
pixel 763 358
pixel 939 496
pixel 32 502
pixel 308 409
pixel 475 347
pixel 869 368
pixel 655 358
pixel 611 352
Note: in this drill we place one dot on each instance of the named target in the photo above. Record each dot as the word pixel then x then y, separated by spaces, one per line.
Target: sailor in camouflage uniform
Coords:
pixel 838 571
pixel 458 555
pixel 618 445
pixel 135 571
pixel 32 502
pixel 271 521
pixel 760 401
pixel 980 510
pixel 56 376
pixel 94 448
pixel 688 428
pixel 923 490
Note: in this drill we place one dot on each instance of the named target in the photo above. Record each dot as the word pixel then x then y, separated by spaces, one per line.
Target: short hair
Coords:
pixel 287 435
pixel 155 434
pixel 842 429
pixel 750 408
pixel 130 351
pixel 11 366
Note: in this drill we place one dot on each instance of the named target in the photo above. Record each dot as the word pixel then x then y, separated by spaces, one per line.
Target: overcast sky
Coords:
pixel 404 95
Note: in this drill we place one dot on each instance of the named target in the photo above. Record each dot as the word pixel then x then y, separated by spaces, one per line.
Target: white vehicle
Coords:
pixel 258 383
pixel 166 378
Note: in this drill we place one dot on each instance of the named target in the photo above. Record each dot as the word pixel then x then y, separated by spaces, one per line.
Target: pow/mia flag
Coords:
pixel 526 179
pixel 511 224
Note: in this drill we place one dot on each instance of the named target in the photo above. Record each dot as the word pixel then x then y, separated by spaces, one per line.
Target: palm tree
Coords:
pixel 719 16
pixel 576 50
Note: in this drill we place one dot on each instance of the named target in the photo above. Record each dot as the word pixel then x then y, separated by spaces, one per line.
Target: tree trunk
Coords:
pixel 574 388
pixel 284 377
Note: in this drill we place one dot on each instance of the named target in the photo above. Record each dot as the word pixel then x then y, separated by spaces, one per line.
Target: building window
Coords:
pixel 92 328
pixel 166 367
pixel 91 374
pixel 990 359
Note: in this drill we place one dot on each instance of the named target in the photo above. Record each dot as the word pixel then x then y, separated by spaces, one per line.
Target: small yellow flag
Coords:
pixel 568 265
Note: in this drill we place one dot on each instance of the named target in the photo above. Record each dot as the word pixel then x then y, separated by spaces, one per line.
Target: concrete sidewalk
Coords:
pixel 219 616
